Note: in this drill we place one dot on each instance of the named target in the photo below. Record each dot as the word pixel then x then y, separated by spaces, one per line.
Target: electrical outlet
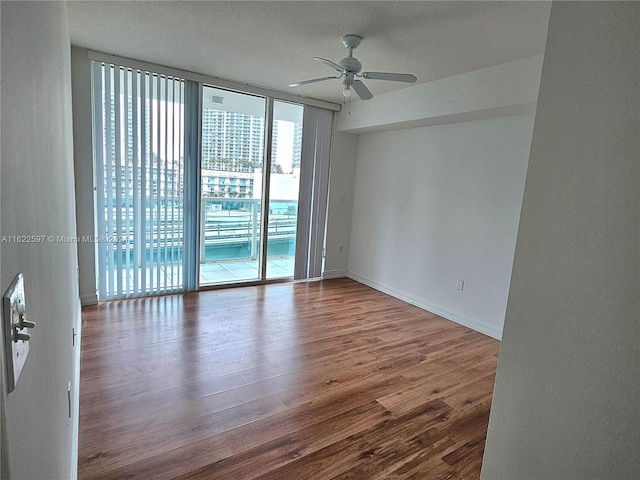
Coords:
pixel 460 285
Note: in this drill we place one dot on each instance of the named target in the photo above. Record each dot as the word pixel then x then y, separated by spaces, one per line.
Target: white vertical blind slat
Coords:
pixel 324 128
pixel 98 111
pixel 191 195
pixel 167 157
pixel 307 167
pixel 181 181
pixel 117 181
pixel 156 190
pixel 144 163
pixel 151 161
pixel 175 272
pixel 108 162
pixel 123 241
pixel 135 179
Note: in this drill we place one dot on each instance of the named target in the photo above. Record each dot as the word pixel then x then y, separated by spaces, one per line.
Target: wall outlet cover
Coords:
pixel 16 350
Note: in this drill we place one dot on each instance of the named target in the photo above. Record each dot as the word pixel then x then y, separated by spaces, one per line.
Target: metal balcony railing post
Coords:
pixel 254 229
pixel 203 224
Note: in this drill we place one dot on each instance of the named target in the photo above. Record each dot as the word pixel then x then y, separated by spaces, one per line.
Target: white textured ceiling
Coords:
pixel 271 44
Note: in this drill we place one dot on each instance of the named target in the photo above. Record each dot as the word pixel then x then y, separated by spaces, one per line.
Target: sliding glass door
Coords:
pixel 200 186
pixel 231 173
pixel 233 183
pixel 284 189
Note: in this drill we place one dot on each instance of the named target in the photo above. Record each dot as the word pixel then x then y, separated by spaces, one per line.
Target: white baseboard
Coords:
pixel 327 274
pixel 428 306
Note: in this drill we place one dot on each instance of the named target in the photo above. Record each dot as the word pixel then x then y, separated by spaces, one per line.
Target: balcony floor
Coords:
pixel 219 272
pixel 231 271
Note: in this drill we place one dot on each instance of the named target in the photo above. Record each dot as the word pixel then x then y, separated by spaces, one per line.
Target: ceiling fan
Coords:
pixel 349 68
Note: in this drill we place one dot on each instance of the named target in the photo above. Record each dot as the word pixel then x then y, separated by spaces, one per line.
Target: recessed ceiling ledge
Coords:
pixel 503 90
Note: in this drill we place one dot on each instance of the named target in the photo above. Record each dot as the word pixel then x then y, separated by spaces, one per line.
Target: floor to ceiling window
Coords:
pixel 200 186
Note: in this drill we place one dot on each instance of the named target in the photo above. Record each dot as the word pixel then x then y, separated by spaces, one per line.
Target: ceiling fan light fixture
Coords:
pixel 347 91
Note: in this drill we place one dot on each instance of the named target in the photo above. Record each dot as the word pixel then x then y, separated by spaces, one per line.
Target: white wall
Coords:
pixel 342 177
pixel 38 199
pixel 498 91
pixel 436 204
pixel 567 397
pixel 83 167
pixel 437 190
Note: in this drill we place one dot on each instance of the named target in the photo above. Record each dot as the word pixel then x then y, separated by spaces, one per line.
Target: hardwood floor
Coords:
pixel 320 380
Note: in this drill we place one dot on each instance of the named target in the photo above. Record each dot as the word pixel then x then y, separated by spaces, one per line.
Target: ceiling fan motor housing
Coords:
pixel 350 64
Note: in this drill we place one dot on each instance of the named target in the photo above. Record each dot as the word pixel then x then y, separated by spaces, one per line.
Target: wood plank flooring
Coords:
pixel 319 380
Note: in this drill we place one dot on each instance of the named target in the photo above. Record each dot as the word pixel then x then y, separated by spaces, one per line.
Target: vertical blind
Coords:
pixel 139 162
pixel 146 135
pixel 314 180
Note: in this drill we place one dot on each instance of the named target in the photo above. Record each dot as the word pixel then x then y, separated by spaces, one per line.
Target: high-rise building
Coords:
pixel 297 145
pixel 232 151
pixel 232 146
pixel 231 140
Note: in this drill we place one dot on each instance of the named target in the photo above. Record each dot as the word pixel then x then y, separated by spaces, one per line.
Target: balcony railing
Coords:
pixel 229 229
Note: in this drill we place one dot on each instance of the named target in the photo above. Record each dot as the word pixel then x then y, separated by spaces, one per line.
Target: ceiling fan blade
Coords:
pixel 394 77
pixel 362 90
pixel 329 63
pixel 297 84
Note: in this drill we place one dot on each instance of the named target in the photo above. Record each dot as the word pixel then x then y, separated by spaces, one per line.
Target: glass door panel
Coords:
pixel 231 186
pixel 284 189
